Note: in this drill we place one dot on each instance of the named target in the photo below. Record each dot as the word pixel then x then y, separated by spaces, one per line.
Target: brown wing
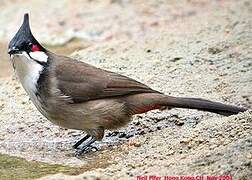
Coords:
pixel 83 82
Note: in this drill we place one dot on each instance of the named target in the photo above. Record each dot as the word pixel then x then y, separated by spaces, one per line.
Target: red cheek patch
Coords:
pixel 35 48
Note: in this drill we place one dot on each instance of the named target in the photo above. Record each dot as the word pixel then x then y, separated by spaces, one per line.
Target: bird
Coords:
pixel 76 95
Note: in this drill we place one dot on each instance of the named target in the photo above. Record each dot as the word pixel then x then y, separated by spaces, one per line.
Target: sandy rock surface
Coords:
pixel 190 48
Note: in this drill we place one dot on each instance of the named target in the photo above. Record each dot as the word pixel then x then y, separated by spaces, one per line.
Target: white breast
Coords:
pixel 28 72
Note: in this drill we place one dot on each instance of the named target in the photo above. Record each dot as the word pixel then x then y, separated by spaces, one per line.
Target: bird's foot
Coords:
pixel 87 147
pixel 85 150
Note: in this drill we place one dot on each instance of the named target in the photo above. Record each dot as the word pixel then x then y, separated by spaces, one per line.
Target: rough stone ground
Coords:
pixel 182 48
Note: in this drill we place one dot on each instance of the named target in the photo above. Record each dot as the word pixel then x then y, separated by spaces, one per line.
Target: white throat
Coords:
pixel 28 70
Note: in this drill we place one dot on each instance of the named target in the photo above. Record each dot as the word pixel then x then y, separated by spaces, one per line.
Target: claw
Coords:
pixel 85 148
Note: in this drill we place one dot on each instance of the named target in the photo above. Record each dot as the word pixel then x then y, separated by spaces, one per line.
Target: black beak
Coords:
pixel 13 51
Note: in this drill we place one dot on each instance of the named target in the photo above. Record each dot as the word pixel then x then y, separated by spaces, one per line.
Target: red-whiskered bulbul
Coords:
pixel 76 95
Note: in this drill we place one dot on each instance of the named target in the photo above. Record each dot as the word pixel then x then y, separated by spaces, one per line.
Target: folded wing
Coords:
pixel 83 82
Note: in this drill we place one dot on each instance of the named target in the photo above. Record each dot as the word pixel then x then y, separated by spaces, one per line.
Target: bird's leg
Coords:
pixel 88 140
pixel 86 147
pixel 76 145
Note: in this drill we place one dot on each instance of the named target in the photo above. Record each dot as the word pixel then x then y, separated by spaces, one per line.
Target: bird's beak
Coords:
pixel 13 50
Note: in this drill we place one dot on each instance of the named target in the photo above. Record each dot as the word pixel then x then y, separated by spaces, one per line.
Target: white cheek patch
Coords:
pixel 39 56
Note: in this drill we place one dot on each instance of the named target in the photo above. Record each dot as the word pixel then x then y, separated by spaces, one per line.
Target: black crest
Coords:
pixel 23 38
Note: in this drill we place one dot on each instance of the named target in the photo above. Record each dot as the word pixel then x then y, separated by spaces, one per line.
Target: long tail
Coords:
pixel 202 104
pixel 142 103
